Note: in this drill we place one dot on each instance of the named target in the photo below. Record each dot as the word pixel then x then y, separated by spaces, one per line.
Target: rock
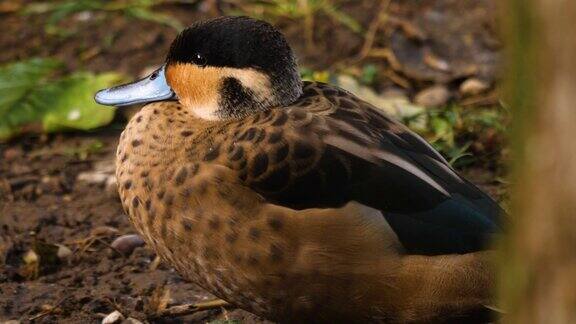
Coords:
pixel 473 86
pixel 112 318
pixel 105 166
pixel 102 171
pixel 63 252
pixel 435 96
pixel 30 257
pixel 20 169
pixel 395 105
pixel 393 92
pixel 84 16
pixel 31 267
pixel 93 177
pixel 126 244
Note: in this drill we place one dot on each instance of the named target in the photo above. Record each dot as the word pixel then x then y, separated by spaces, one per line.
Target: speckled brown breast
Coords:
pixel 195 190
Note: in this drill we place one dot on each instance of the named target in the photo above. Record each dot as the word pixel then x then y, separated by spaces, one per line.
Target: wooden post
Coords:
pixel 538 270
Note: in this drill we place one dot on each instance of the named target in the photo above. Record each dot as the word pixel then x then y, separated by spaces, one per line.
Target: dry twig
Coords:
pixel 187 309
pixel 375 25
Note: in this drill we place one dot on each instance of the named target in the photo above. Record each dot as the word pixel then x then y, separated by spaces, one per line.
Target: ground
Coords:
pixel 46 199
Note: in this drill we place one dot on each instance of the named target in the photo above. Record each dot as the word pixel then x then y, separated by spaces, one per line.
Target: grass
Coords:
pixel 295 10
pixel 305 11
pixel 60 10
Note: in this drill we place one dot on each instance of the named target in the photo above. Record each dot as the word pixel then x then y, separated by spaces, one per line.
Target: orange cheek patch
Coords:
pixel 195 86
pixel 198 88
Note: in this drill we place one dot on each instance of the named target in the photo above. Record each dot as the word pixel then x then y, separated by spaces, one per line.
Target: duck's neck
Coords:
pixel 162 130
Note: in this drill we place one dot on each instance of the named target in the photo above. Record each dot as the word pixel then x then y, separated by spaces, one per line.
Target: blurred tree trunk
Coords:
pixel 538 271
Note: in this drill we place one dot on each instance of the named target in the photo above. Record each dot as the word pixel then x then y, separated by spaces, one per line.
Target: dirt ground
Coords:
pixel 42 202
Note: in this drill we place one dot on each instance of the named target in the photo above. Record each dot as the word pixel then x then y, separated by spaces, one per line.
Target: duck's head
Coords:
pixel 228 67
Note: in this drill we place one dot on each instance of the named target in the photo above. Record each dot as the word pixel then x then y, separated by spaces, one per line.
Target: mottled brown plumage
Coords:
pixel 296 201
pixel 197 191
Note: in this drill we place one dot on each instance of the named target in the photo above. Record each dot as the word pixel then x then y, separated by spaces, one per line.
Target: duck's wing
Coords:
pixel 331 148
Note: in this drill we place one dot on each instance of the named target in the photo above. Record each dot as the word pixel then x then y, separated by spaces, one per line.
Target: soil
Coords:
pixel 42 202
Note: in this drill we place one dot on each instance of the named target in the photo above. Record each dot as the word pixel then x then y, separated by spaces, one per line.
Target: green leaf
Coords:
pixel 71 102
pixel 31 100
pixel 18 85
pixel 458 152
pixel 369 73
pixel 18 79
pixel 442 129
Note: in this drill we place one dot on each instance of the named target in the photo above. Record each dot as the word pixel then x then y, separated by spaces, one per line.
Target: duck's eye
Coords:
pixel 199 60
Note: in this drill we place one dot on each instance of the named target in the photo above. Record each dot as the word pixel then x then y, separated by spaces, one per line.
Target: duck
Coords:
pixel 296 201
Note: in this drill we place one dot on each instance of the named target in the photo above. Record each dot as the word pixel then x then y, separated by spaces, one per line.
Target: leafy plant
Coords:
pixel 311 75
pixel 455 131
pixel 369 74
pixel 32 100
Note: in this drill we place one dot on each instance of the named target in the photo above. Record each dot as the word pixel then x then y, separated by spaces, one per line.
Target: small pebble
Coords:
pixel 84 16
pixel 105 166
pixel 63 252
pixel 30 257
pixel 93 177
pixel 126 244
pixel 435 96
pixel 393 92
pixel 114 317
pixel 473 86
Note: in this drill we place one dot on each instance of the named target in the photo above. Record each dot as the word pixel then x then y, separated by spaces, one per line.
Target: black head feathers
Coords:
pixel 240 42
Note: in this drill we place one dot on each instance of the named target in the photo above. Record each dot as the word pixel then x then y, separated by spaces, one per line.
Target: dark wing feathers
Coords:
pixel 369 158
